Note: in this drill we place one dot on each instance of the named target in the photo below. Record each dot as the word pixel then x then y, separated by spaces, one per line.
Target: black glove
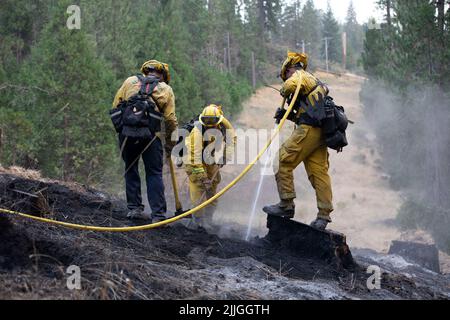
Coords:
pixel 279 115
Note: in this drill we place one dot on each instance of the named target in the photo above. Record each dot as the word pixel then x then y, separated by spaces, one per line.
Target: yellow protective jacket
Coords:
pixel 308 86
pixel 195 147
pixel 163 97
pixel 307 82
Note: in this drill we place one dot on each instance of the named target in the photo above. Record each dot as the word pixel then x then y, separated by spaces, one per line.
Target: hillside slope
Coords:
pixel 180 263
pixel 365 204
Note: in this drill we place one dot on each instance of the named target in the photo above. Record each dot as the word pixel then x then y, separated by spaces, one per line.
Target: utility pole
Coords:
pixel 253 71
pixel 326 54
pixel 229 51
pixel 225 59
pixel 344 50
pixel 304 45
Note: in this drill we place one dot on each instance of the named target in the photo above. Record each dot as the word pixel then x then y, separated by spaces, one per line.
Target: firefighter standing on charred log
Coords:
pixel 316 129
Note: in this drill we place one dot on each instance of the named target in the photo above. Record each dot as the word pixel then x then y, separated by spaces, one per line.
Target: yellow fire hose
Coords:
pixel 174 219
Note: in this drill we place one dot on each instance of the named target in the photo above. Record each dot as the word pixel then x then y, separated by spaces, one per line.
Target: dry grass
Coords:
pixel 21 172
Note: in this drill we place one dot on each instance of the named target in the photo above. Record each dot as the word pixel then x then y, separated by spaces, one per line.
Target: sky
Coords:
pixel 365 9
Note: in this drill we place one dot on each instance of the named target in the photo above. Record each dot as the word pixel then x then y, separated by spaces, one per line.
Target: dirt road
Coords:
pixel 365 205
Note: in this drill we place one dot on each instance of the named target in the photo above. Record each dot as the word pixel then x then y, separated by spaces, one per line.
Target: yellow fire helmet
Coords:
pixel 293 58
pixel 212 116
pixel 158 66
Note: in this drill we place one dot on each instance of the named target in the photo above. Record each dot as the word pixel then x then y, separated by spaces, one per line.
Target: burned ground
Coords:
pixel 168 263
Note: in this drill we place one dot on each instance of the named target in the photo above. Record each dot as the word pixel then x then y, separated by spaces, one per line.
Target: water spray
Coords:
pixel 260 184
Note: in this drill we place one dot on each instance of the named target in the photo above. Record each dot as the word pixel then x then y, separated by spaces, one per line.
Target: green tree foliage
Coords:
pixel 57 85
pixel 303 25
pixel 264 17
pixel 72 138
pixel 406 100
pixel 410 48
pixel 355 38
pixel 273 10
pixel 18 32
pixel 16 130
pixel 331 30
pixel 310 29
pixel 115 27
pixel 291 34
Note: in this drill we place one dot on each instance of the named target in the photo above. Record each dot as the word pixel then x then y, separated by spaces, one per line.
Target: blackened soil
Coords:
pixel 168 263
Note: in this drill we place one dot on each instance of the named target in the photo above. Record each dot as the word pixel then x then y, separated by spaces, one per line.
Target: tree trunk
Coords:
pixel 211 6
pixel 261 18
pixel 1 144
pixel 440 4
pixel 441 15
pixel 388 13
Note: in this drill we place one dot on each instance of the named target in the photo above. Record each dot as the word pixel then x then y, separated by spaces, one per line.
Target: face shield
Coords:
pixel 210 121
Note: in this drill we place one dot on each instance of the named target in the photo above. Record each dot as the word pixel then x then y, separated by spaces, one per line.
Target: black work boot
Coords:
pixel 138 214
pixel 320 224
pixel 284 209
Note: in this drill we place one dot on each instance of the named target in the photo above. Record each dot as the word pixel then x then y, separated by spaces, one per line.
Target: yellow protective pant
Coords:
pixel 306 145
pixel 199 195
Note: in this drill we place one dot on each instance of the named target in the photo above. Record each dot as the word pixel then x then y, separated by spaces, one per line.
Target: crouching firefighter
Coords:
pixel 308 143
pixel 201 164
pixel 139 108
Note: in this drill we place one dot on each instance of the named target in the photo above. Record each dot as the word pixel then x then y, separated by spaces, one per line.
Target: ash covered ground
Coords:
pixel 173 262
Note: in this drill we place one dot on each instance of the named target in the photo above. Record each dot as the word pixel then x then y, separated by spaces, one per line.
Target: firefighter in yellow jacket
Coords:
pixel 144 142
pixel 201 158
pixel 306 144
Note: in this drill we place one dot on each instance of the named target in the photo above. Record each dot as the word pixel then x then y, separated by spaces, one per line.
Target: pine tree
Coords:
pixel 416 44
pixel 117 27
pixel 54 77
pixel 405 60
pixel 331 30
pixel 74 139
pixel 354 37
pixel 290 25
pixel 273 13
pixel 20 23
pixel 374 57
pixel 309 29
